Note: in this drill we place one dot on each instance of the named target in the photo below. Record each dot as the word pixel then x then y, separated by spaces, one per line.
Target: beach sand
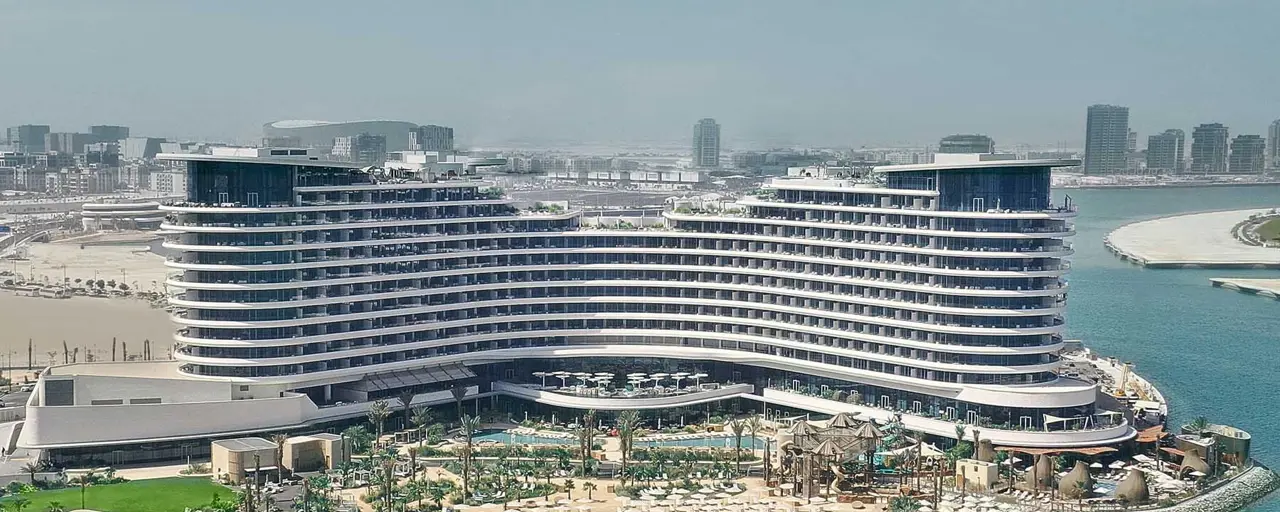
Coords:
pixel 85 322
pixel 130 262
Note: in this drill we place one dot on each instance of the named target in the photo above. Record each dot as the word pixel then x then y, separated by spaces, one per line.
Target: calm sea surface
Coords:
pixel 1212 352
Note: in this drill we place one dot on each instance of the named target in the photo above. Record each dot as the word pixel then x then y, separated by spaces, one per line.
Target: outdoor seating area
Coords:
pixel 632 385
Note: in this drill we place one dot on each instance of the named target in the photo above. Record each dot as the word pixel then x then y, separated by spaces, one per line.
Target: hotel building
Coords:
pixel 311 288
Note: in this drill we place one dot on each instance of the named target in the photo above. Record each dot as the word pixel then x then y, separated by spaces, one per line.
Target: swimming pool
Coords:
pixel 712 442
pixel 506 437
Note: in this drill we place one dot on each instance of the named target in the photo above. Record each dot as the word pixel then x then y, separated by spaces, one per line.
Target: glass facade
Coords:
pixel 326 273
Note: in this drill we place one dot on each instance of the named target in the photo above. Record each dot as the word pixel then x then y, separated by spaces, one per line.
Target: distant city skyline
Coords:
pixel 617 78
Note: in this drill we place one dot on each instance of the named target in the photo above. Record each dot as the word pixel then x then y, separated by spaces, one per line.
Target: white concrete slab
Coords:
pixel 1197 239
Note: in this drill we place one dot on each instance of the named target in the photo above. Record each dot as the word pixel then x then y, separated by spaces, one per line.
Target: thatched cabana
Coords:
pixel 1040 475
pixel 842 420
pixel 1078 484
pixel 985 452
pixel 1133 489
pixel 1193 462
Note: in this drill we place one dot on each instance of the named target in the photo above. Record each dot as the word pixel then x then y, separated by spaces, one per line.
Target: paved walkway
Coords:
pixel 1197 239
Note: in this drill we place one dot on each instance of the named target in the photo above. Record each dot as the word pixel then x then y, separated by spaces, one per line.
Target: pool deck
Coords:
pixel 1269 288
pixel 1195 240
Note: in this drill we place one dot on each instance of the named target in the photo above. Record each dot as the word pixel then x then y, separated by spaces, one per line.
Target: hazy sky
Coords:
pixel 842 72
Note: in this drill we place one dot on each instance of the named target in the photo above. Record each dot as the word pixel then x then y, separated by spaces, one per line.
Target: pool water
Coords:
pixel 712 442
pixel 505 437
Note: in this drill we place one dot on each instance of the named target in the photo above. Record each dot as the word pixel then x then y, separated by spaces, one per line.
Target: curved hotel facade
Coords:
pixel 934 292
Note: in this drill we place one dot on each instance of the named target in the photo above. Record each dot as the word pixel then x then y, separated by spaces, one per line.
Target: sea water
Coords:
pixel 1211 351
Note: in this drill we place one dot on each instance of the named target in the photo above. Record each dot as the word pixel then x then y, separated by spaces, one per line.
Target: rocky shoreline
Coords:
pixel 1242 491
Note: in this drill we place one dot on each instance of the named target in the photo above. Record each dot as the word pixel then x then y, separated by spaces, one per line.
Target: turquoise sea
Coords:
pixel 1213 352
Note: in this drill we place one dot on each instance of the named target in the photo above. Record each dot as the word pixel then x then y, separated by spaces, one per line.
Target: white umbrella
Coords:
pixel 679 491
pixel 817 499
pixel 1116 465
pixel 1197 474
pixel 698 496
pixel 723 495
pixel 1096 465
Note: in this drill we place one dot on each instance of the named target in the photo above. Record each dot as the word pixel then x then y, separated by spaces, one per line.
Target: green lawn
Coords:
pixel 158 495
pixel 1269 230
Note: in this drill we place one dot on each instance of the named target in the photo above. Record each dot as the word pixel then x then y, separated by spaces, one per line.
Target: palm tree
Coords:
pixel 903 504
pixel 437 494
pixel 588 486
pixel 20 504
pixel 738 427
pixel 754 425
pixel 586 437
pixel 83 481
pixel 1199 424
pixel 627 424
pixel 279 440
pixel 458 392
pixel 420 418
pixel 413 463
pixel 378 413
pixel 470 425
pixel 568 488
pixel 406 398
pixel 31 468
pixel 55 506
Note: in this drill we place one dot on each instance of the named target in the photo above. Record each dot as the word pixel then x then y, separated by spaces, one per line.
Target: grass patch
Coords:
pixel 158 495
pixel 1269 230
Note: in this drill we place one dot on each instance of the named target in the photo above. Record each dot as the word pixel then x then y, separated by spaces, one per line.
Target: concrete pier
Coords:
pixel 1196 240
pixel 1269 288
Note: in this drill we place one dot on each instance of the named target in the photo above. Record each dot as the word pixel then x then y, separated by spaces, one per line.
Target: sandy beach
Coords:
pixel 85 322
pixel 129 262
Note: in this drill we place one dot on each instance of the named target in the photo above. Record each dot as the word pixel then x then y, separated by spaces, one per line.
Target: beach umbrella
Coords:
pixel 543 376
pixel 1116 465
pixel 697 378
pixel 1096 465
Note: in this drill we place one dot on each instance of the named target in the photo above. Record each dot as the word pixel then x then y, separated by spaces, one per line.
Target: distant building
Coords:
pixel 101 153
pixel 362 148
pixel 1273 145
pixel 706 144
pixel 169 182
pixel 1209 148
pixel 67 142
pixel 1248 154
pixel 27 138
pixel 283 141
pixel 7 177
pixel 1132 144
pixel 109 133
pixel 431 138
pixel 1106 139
pixel 140 148
pixel 966 143
pixel 320 134
pixel 1167 151
pixel 747 160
